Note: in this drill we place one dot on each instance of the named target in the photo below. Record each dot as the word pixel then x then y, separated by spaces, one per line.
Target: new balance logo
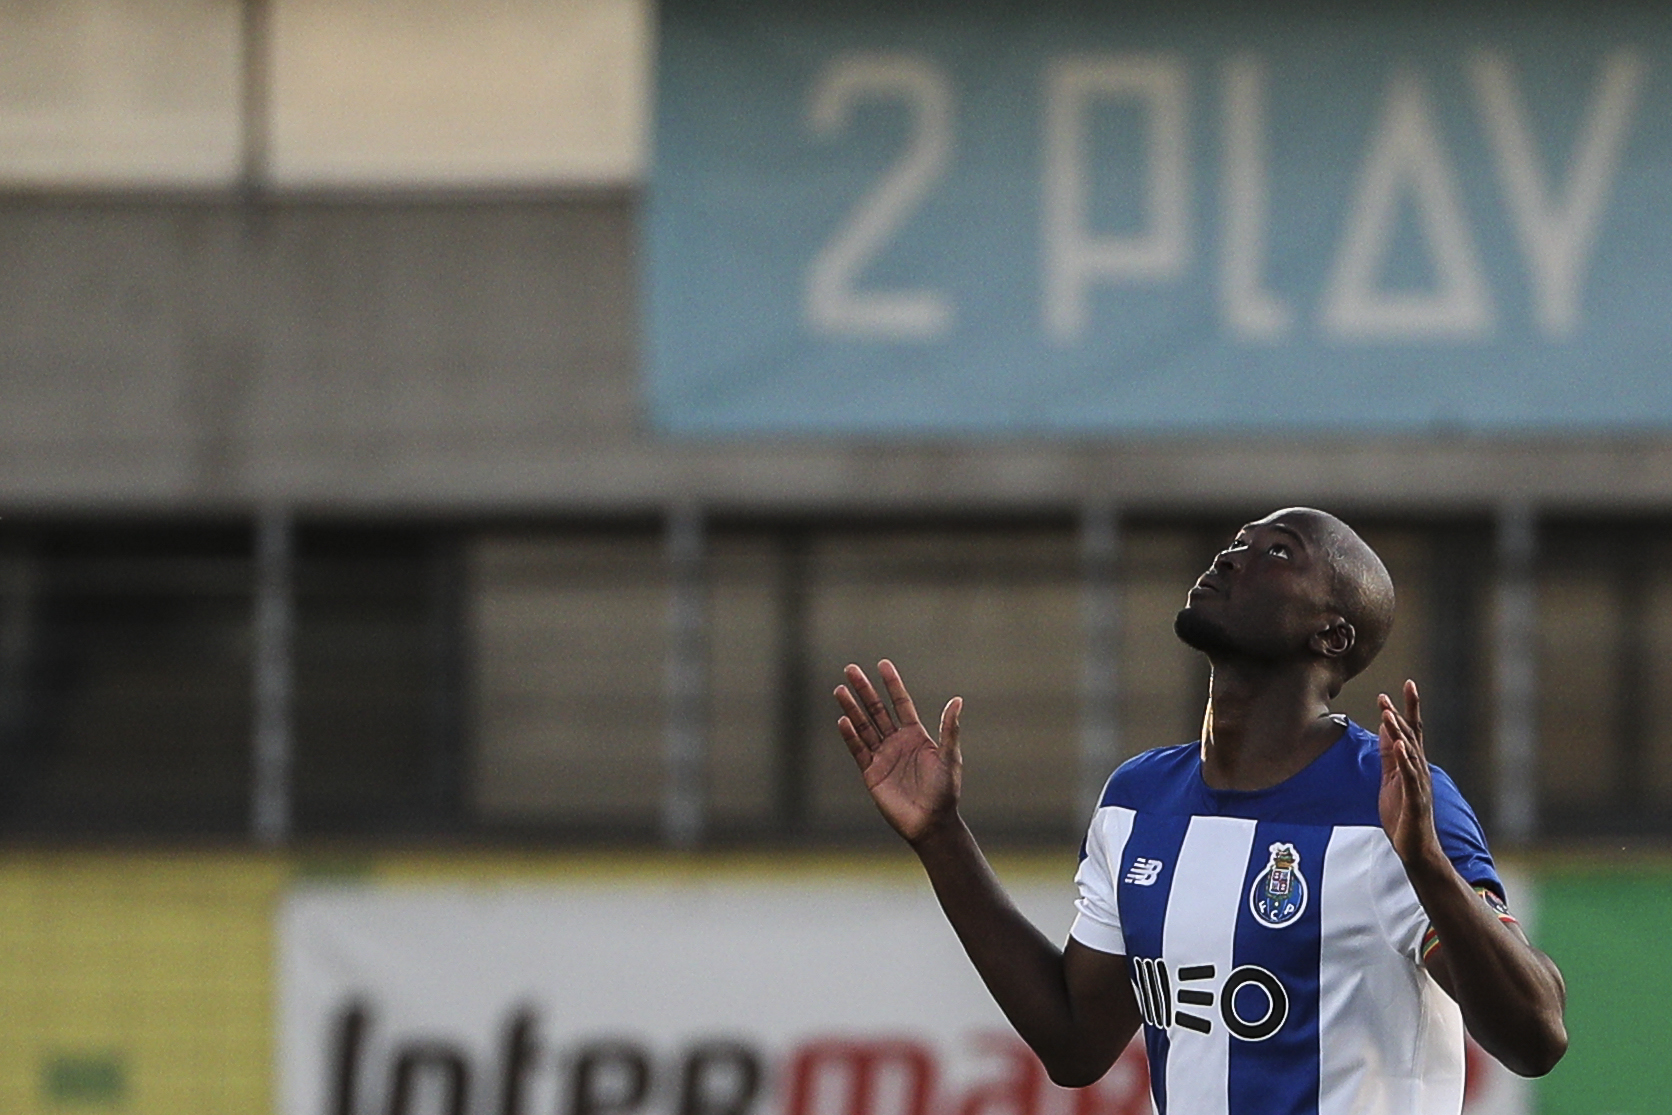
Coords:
pixel 1143 872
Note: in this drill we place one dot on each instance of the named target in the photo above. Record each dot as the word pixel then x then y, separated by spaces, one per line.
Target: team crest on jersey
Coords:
pixel 1278 897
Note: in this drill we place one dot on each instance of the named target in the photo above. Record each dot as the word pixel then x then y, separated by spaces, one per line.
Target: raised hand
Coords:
pixel 1510 993
pixel 914 779
pixel 1407 797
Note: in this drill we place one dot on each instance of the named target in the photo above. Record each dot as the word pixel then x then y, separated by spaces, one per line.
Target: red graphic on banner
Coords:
pixel 860 1066
pixel 900 1077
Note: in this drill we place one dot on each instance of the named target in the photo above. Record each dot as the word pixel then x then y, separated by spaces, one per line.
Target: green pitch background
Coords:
pixel 1610 928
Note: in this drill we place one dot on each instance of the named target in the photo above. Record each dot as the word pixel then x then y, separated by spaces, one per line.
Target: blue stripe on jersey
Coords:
pixel 1143 916
pixel 1278 1072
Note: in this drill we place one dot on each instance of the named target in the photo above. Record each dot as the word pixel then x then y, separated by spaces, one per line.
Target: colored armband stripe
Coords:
pixel 1431 939
pixel 1496 905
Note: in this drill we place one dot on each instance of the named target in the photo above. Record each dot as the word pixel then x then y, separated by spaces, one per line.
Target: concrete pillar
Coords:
pixel 255 100
pixel 1515 694
pixel 794 793
pixel 685 739
pixel 274 623
pixel 1100 749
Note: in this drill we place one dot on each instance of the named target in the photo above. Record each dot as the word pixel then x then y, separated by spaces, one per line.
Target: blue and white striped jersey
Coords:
pixel 1273 939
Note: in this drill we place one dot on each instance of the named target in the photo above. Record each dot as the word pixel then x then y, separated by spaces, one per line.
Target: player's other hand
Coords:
pixel 1407 797
pixel 913 778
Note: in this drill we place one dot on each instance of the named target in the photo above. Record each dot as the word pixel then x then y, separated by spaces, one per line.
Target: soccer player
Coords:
pixel 1301 914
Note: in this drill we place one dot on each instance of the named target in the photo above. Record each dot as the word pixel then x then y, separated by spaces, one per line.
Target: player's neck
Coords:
pixel 1263 725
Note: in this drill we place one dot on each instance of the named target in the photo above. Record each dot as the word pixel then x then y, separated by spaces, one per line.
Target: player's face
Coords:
pixel 1264 595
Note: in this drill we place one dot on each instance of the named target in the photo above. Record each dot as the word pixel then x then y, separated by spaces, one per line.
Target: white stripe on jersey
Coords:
pixel 1202 926
pixel 1097 918
pixel 1365 927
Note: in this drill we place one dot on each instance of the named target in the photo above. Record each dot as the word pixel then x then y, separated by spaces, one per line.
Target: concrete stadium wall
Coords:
pixel 435 353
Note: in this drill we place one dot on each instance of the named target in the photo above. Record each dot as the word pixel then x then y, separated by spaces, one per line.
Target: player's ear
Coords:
pixel 1335 639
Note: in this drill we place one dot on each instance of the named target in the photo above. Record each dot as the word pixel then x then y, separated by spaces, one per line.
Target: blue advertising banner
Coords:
pixel 1072 218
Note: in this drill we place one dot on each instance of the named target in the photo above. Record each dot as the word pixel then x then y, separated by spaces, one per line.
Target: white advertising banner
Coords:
pixel 834 996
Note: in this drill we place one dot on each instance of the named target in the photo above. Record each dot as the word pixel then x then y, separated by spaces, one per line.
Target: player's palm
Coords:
pixel 913 781
pixel 913 778
pixel 1391 801
pixel 1406 801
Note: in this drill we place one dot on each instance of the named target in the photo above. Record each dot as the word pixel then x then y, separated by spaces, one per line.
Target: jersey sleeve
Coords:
pixel 1097 910
pixel 1461 836
pixel 1403 918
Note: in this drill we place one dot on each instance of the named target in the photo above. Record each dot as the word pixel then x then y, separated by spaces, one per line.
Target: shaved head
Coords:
pixel 1297 584
pixel 1360 589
